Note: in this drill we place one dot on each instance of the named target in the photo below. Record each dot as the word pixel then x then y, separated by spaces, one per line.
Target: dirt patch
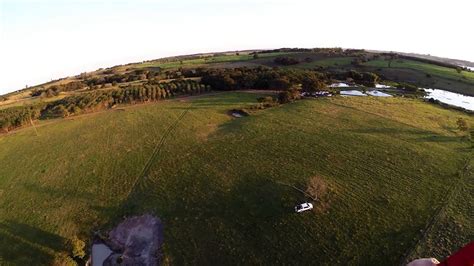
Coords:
pixel 238 113
pixel 135 241
pixel 203 133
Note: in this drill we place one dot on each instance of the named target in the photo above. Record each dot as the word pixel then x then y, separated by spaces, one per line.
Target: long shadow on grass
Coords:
pixel 208 224
pixel 22 244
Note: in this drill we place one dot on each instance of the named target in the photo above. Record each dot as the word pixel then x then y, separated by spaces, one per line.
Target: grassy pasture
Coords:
pixel 218 183
pixel 206 60
pixel 328 62
pixel 434 70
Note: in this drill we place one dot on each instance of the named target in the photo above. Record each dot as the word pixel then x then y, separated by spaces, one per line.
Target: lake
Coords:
pixel 375 93
pixel 353 93
pixel 451 98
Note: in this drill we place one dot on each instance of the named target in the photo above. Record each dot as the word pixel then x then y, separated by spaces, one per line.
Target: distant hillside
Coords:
pixel 457 62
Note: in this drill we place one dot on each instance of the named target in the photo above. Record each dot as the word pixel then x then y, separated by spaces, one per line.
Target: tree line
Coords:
pixel 261 78
pixel 14 117
pixel 368 79
pixel 54 90
pixel 291 82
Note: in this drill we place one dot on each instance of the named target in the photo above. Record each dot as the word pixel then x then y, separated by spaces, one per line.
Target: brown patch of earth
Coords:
pixel 135 241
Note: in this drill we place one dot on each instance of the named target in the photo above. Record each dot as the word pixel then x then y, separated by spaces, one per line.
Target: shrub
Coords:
pixel 78 248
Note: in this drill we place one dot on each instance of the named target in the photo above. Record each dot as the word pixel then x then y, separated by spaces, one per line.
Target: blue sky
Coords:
pixel 43 40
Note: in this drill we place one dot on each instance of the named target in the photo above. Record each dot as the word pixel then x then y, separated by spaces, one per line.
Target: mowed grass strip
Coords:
pixel 216 183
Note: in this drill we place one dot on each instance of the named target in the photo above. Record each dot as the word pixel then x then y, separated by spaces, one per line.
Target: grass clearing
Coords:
pixel 386 162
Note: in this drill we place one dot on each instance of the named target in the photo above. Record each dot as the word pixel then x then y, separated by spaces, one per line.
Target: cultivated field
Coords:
pixel 222 186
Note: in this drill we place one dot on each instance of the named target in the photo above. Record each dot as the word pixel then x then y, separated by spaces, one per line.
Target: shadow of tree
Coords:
pixel 226 220
pixel 22 244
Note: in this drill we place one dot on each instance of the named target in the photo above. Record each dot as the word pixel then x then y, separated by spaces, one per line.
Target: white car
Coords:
pixel 303 207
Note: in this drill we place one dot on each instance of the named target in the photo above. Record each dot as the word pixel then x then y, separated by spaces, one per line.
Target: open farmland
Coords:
pixel 222 186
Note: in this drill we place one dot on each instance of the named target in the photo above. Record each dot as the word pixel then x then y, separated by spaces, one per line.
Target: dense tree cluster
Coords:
pixel 286 50
pixel 42 92
pixel 325 51
pixel 56 89
pixel 18 116
pixel 312 83
pixel 129 95
pixel 138 74
pixel 368 79
pixel 256 78
pixel 289 81
pixel 286 61
pixel 365 78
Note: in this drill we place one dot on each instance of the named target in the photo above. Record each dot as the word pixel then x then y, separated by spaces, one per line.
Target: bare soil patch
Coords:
pixel 135 241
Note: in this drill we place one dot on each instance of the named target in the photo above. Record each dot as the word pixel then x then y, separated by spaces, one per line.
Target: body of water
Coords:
pixel 382 86
pixel 377 93
pixel 470 68
pixel 353 93
pixel 451 98
pixel 339 85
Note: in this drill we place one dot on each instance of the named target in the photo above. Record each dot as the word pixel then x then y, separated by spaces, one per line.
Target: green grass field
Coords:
pixel 434 70
pixel 208 60
pixel 217 182
pixel 328 62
